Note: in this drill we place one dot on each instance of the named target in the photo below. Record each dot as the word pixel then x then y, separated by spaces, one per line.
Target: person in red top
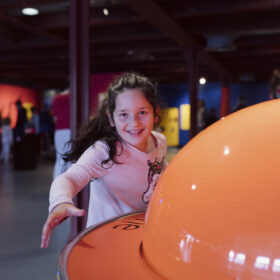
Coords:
pixel 61 114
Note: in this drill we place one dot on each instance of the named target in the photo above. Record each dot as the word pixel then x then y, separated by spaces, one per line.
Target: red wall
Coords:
pixel 10 94
pixel 99 84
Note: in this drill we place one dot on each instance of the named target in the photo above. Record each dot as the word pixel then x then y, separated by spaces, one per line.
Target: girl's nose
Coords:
pixel 134 119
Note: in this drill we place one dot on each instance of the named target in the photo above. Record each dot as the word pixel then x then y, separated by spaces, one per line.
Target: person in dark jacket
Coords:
pixel 20 123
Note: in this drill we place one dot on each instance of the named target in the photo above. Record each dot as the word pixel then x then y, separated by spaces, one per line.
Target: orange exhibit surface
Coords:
pixel 214 214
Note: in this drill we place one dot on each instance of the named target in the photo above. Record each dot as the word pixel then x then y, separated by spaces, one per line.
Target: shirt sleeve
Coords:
pixel 88 167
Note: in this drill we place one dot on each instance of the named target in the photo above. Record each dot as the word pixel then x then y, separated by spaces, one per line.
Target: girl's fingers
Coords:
pixel 55 219
pixel 45 241
pixel 50 224
pixel 45 235
pixel 73 211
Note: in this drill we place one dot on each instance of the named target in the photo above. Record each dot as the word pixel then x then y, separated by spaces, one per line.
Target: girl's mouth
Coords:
pixel 135 132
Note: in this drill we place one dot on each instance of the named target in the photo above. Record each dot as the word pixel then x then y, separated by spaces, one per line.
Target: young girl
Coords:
pixel 119 151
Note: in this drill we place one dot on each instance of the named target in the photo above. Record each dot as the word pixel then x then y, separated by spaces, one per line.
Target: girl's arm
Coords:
pixel 61 206
pixel 88 167
pixel 68 184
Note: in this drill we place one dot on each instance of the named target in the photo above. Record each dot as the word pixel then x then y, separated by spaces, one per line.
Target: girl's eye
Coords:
pixel 122 115
pixel 141 113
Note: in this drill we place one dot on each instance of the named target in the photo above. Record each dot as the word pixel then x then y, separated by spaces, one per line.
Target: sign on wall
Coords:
pixel 185 116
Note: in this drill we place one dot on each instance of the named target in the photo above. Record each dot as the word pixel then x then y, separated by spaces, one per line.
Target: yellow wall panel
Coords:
pixel 170 125
pixel 185 116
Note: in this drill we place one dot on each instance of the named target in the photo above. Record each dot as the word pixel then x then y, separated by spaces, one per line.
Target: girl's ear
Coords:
pixel 110 118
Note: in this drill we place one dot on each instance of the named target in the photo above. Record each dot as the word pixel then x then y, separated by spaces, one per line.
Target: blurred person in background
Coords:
pixel 46 128
pixel 240 103
pixel 35 120
pixel 19 135
pixel 212 116
pixel 201 115
pixel 20 123
pixel 7 137
pixel 275 84
pixel 61 114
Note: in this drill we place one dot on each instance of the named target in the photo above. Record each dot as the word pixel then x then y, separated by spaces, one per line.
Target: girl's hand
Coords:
pixel 58 215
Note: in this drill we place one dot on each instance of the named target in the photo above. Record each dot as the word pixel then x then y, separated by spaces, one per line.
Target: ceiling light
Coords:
pixel 202 81
pixel 105 12
pixel 30 11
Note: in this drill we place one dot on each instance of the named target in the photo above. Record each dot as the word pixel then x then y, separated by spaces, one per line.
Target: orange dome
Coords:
pixel 215 213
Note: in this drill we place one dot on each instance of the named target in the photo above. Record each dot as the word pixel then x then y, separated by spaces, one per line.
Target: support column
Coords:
pixel 225 98
pixel 193 59
pixel 79 86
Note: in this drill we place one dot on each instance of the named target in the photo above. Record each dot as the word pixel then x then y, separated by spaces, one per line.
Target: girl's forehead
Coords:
pixel 131 92
pixel 131 98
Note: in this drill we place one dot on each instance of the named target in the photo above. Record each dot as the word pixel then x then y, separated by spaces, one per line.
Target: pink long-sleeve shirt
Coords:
pixel 116 190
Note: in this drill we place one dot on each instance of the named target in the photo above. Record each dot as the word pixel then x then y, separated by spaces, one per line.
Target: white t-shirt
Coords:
pixel 114 190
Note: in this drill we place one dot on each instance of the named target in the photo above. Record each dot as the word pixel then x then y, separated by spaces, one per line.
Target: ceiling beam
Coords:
pixel 20 58
pixel 267 39
pixel 166 24
pixel 16 23
pixel 253 25
pixel 6 35
pixel 9 4
pixel 185 9
pixel 118 14
pixel 161 20
pixel 253 54
pixel 30 45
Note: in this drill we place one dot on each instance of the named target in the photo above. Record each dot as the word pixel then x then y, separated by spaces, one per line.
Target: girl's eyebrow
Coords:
pixel 124 110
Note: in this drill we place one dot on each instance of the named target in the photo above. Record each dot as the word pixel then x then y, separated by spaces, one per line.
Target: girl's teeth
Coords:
pixel 135 131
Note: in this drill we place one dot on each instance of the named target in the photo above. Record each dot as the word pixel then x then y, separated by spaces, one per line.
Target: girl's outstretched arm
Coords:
pixel 68 184
pixel 58 215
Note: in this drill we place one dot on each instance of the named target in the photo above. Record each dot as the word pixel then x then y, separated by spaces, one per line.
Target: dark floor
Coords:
pixel 23 210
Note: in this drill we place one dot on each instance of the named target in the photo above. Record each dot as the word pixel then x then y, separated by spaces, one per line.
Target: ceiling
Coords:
pixel 237 39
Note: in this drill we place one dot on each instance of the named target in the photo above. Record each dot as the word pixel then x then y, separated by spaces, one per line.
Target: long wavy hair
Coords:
pixel 99 127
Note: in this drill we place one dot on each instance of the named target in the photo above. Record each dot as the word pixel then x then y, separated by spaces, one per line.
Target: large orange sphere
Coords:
pixel 216 211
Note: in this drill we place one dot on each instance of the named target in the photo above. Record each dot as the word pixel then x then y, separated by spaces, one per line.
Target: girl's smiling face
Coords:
pixel 134 118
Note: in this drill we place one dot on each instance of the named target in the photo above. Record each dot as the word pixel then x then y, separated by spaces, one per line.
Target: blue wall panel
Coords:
pixel 253 93
pixel 211 94
pixel 173 95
